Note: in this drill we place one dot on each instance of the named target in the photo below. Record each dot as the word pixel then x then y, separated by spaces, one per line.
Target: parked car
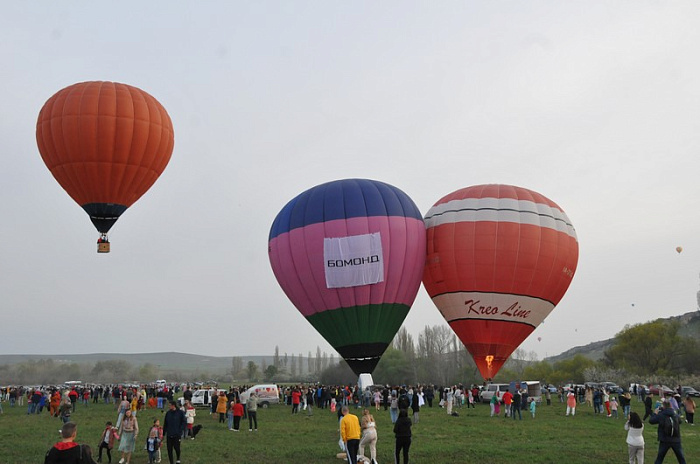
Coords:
pixel 612 387
pixel 490 389
pixel 639 387
pixel 660 389
pixel 198 397
pixel 689 391
pixel 267 394
pixel 551 388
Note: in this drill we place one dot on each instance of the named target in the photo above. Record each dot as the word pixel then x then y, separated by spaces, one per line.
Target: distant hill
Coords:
pixel 164 361
pixel 690 327
pixel 217 365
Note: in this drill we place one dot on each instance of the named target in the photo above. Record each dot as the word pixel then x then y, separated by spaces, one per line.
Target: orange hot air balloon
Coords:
pixel 679 249
pixel 499 259
pixel 105 143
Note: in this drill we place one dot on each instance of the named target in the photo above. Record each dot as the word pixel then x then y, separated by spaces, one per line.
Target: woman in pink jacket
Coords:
pixel 571 403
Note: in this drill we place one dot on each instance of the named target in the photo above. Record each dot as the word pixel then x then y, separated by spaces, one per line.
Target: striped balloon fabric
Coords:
pixel 499 259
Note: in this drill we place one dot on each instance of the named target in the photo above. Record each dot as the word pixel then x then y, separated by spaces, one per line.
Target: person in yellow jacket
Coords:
pixel 221 406
pixel 350 433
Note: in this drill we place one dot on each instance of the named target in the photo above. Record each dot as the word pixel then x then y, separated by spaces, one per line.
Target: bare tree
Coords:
pixel 403 341
pixel 318 360
pixel 294 366
pixel 433 344
pixel 276 358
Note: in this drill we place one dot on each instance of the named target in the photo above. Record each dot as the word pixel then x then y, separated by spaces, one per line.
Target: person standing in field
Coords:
pixel 635 438
pixel 309 401
pixel 128 431
pixel 296 400
pixel 516 404
pixel 190 413
pixel 689 406
pixel 570 403
pixel 533 407
pixel 449 400
pixel 350 434
pixel 495 405
pixel 394 408
pixel 647 406
pixel 229 414
pixel 625 401
pixel 67 451
pixel 669 433
pixel 252 408
pixel 173 429
pixel 369 435
pixel 109 435
pixel 415 407
pixel 402 432
pixel 237 414
pixel 507 402
pixel 54 403
pixel 154 441
pixel 65 410
pixel 221 403
pixel 377 399
pixel 123 406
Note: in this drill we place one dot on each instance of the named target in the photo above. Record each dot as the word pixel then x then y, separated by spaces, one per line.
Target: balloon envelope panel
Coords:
pixel 358 320
pixel 105 143
pixel 499 259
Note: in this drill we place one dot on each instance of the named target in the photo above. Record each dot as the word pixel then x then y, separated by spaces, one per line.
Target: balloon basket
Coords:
pixel 103 247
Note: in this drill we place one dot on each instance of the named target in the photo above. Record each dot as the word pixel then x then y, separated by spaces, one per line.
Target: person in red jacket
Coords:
pixel 507 401
pixel 73 396
pixel 296 398
pixel 237 414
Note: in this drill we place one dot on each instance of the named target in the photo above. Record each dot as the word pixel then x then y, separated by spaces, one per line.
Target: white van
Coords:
pixel 364 381
pixel 199 396
pixel 490 389
pixel 267 394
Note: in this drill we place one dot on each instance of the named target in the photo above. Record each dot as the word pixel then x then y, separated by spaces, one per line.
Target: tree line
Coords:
pixel 661 351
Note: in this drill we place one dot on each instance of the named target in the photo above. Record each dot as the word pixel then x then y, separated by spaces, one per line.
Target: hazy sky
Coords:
pixel 596 105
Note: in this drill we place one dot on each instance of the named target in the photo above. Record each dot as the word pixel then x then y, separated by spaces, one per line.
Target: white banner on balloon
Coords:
pixel 353 261
pixel 494 306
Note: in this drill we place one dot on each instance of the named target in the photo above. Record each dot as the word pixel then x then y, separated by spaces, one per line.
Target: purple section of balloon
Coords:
pixel 298 263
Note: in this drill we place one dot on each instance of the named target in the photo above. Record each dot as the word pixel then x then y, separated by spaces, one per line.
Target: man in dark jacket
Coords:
pixel 173 428
pixel 67 451
pixel 669 432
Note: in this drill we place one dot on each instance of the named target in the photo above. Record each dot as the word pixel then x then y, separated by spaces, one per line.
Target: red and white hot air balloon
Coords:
pixel 499 259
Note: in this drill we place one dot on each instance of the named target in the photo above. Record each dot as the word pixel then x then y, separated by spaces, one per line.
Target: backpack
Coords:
pixel 671 426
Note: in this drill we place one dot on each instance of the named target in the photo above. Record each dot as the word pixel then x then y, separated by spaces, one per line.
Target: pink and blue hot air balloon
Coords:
pixel 349 254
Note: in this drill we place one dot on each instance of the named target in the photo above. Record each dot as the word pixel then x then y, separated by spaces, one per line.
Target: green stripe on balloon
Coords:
pixel 360 324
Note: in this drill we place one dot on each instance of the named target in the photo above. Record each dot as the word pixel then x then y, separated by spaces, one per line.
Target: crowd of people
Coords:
pixel 357 435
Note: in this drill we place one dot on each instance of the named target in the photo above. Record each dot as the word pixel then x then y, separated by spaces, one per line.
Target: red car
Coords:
pixel 659 389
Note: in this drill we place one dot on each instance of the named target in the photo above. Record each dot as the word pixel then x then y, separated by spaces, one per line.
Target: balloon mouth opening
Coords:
pixel 104 215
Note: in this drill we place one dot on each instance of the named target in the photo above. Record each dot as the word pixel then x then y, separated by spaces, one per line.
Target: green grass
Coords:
pixel 473 437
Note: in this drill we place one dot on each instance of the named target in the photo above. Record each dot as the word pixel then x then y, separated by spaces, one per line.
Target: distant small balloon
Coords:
pixel 679 249
pixel 539 339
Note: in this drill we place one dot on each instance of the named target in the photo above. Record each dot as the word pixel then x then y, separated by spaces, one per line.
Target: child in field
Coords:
pixel 533 407
pixel 613 407
pixel 155 438
pixel 109 435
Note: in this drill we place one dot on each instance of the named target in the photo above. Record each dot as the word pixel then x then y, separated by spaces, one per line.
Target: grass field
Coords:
pixel 473 437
